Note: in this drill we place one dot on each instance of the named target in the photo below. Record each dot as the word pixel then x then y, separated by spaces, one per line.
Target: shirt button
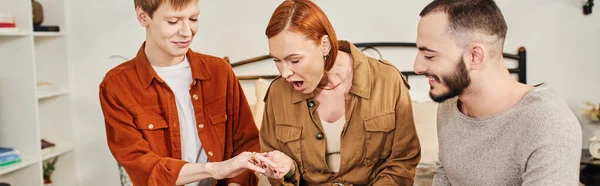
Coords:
pixel 150 126
pixel 210 153
pixel 195 96
pixel 311 104
pixel 320 136
pixel 201 126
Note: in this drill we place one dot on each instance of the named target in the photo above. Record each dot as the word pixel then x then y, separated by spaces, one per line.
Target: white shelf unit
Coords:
pixel 14 33
pixel 49 34
pixel 29 114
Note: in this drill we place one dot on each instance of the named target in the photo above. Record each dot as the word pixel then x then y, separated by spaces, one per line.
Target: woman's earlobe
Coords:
pixel 325 45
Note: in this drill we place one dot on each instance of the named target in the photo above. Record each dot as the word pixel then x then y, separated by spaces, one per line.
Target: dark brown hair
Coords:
pixel 482 16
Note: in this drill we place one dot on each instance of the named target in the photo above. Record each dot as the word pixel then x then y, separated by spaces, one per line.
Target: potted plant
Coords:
pixel 48 167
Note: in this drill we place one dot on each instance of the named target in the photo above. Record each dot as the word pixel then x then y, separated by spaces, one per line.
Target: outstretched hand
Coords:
pixel 240 163
pixel 283 164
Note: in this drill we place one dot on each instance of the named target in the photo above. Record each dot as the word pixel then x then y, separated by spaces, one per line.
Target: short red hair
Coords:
pixel 150 6
pixel 307 18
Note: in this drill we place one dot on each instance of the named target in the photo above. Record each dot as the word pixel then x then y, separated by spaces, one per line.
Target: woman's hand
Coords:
pixel 238 164
pixel 283 165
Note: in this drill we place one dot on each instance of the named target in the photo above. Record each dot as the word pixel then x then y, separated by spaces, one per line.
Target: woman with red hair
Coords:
pixel 334 116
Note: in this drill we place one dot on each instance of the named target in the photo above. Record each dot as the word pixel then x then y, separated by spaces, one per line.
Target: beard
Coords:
pixel 456 82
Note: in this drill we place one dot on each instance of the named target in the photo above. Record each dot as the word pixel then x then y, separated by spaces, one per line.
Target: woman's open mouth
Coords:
pixel 298 85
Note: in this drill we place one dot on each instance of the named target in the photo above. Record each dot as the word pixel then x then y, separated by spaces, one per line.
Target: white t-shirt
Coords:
pixel 333 135
pixel 179 78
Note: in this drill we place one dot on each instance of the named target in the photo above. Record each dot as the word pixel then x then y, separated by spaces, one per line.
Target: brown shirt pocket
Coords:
pixel 379 137
pixel 290 137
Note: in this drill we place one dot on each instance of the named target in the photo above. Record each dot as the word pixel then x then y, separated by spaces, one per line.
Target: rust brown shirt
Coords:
pixel 379 143
pixel 142 126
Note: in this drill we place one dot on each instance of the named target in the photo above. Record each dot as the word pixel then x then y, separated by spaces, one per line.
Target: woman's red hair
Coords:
pixel 305 17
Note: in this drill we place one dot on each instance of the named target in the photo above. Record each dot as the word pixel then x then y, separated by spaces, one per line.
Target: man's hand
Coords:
pixel 283 164
pixel 238 164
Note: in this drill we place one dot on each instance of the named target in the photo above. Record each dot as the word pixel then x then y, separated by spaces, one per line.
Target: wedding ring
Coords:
pixel 253 157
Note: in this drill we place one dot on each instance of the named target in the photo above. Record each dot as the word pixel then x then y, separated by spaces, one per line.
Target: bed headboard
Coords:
pixel 520 56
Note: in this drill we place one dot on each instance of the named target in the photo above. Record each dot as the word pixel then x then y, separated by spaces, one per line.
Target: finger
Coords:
pixel 263 165
pixel 264 160
pixel 255 168
pixel 253 162
pixel 275 173
pixel 269 172
pixel 282 169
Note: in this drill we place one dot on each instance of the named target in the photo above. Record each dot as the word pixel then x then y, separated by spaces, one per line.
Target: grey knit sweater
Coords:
pixel 537 142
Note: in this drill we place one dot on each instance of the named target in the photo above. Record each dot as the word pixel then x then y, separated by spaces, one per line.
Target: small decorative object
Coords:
pixel 592 114
pixel 47 147
pixel 38 19
pixel 595 146
pixel 49 166
pixel 38 13
pixel 587 8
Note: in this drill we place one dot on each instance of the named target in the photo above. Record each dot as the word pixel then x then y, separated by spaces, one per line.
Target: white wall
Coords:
pixel 563 50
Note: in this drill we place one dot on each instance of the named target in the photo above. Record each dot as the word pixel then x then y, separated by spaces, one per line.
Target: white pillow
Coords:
pixel 261 87
pixel 426 124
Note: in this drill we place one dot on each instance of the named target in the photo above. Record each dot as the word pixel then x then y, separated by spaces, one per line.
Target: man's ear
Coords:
pixel 475 56
pixel 142 16
pixel 325 45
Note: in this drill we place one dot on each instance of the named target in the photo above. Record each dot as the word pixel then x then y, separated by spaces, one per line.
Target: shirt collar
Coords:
pixel 361 74
pixel 147 74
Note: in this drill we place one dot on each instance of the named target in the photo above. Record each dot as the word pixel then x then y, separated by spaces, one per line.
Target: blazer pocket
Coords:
pixel 379 137
pixel 290 136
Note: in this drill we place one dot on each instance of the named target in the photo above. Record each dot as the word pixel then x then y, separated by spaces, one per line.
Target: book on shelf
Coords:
pixel 8 24
pixel 6 150
pixel 11 162
pixel 43 28
pixel 9 156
